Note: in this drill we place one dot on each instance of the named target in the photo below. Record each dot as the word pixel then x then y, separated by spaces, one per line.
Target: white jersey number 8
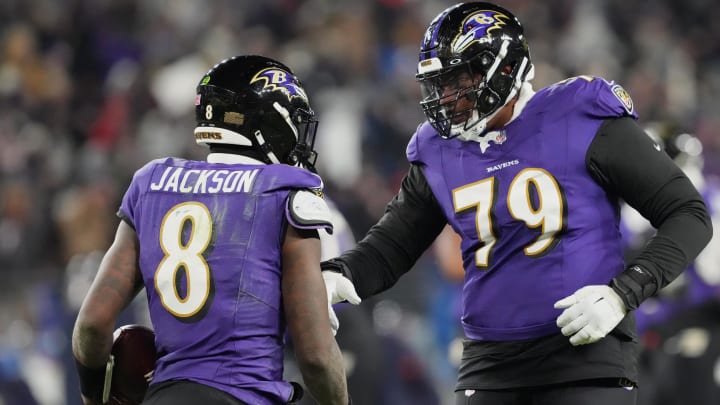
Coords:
pixel 187 256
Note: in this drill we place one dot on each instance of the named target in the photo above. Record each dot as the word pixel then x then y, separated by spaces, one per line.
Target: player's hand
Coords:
pixel 590 314
pixel 339 289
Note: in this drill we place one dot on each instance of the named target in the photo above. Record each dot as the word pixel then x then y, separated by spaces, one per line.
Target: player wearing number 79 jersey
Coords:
pixel 531 181
pixel 228 251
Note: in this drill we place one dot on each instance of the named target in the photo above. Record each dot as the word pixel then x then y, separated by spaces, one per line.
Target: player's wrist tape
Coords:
pixel 91 381
pixel 634 285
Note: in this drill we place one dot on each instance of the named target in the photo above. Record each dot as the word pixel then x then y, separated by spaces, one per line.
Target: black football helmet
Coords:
pixel 475 50
pixel 256 104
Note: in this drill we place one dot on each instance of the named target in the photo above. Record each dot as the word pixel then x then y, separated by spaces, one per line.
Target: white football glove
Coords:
pixel 339 289
pixel 590 314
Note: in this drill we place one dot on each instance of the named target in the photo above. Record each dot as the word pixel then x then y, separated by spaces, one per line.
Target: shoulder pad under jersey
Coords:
pixel 307 210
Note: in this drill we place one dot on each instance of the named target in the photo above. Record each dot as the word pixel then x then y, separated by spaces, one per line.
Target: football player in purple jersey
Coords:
pixel 228 251
pixel 532 181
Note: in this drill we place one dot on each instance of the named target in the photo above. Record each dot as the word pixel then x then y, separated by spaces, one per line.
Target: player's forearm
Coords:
pixel 325 378
pixel 118 280
pixel 91 345
pixel 412 221
pixel 375 264
pixel 678 241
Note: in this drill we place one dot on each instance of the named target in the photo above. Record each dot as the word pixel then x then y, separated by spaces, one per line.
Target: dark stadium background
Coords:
pixel 92 89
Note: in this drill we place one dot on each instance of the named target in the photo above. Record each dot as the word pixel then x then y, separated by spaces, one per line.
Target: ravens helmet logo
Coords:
pixel 278 79
pixel 478 26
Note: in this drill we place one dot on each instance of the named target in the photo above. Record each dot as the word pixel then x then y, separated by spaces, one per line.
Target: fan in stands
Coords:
pixel 131 365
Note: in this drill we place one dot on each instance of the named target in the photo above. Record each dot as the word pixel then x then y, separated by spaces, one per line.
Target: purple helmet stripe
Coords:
pixel 430 40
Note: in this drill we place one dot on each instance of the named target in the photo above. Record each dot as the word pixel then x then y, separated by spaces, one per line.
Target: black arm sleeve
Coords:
pixel 412 221
pixel 627 163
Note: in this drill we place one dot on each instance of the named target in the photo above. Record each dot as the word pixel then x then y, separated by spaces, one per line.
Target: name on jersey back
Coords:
pixel 204 181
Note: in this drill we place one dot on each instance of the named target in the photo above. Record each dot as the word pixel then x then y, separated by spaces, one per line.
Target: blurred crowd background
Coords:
pixel 90 90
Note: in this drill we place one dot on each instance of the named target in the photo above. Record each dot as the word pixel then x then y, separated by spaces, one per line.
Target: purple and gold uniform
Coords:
pixel 210 255
pixel 536 202
pixel 524 193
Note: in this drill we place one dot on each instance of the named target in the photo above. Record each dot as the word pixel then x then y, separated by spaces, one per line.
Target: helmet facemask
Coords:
pixel 304 127
pixel 450 96
pixel 487 80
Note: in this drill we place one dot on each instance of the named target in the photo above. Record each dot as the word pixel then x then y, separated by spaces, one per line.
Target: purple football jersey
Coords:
pixel 210 255
pixel 535 226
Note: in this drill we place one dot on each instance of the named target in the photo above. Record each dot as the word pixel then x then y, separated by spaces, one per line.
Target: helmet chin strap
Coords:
pixel 265 148
pixel 475 132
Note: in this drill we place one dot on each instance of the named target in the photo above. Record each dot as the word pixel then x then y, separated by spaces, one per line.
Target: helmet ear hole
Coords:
pixel 502 83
